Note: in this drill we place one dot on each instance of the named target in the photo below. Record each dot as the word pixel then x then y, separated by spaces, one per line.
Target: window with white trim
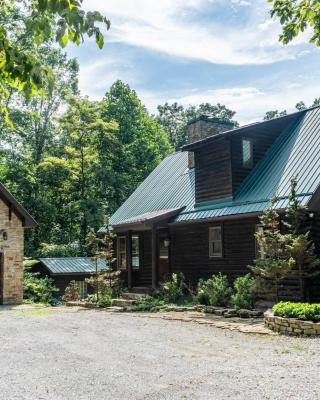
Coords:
pixel 247 153
pixel 215 242
pixel 135 252
pixel 260 253
pixel 122 252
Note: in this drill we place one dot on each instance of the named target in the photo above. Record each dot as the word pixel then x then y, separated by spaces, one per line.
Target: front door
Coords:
pixel 163 259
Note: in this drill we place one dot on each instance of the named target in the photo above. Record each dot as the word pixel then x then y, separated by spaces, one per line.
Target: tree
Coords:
pixel 144 141
pixel 174 119
pixel 301 246
pixel 274 114
pixel 106 282
pixel 296 16
pixel 275 261
pixel 85 140
pixel 42 21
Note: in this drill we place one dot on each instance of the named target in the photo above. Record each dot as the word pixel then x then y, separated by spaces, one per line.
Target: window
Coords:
pixel 164 244
pixel 259 250
pixel 122 252
pixel 135 252
pixel 247 154
pixel 215 241
pixel 82 289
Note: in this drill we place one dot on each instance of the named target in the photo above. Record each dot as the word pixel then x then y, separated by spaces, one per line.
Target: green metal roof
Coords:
pixel 170 185
pixel 72 265
pixel 296 152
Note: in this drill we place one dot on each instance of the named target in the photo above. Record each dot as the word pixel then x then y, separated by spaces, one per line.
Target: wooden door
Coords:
pixel 163 258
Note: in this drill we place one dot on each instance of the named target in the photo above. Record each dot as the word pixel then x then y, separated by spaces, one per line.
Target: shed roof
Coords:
pixel 294 153
pixel 72 265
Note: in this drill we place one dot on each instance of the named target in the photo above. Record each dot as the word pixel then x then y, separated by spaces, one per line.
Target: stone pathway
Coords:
pixel 251 326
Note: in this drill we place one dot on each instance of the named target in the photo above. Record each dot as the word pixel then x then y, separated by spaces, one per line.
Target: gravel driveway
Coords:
pixel 68 354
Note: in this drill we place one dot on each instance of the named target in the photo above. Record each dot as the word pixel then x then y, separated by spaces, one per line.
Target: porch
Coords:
pixel 143 248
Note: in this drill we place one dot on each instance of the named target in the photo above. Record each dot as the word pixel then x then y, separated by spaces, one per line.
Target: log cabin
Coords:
pixel 13 220
pixel 198 211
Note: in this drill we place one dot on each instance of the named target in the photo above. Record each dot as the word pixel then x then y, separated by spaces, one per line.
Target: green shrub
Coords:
pixel 57 250
pixel 147 303
pixel 35 288
pixel 215 291
pixel 72 292
pixel 202 295
pixel 244 296
pixel 104 301
pixel 174 290
pixel 303 311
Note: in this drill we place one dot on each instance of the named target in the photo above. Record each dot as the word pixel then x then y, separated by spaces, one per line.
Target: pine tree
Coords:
pixel 301 247
pixel 276 261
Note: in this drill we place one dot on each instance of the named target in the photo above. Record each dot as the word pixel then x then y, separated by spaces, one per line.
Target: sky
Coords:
pixel 194 51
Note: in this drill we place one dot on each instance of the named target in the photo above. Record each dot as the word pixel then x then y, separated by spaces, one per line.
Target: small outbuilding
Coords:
pixel 63 270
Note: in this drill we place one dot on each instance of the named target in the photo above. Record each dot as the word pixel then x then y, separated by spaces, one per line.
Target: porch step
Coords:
pixel 132 296
pixel 141 289
pixel 122 302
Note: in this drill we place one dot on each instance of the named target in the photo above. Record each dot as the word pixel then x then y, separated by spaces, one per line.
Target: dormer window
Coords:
pixel 247 153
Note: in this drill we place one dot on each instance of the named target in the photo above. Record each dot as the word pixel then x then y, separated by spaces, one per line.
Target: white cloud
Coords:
pixel 171 27
pixel 250 103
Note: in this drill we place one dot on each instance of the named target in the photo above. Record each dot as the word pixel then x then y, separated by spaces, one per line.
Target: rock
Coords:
pixel 243 313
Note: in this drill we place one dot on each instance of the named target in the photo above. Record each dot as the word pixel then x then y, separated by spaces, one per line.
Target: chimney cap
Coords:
pixel 210 118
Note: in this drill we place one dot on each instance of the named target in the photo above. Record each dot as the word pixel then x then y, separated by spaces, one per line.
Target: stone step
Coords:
pixel 141 289
pixel 122 302
pixel 132 296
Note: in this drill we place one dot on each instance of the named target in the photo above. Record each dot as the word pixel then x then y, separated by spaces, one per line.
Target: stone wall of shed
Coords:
pixel 11 251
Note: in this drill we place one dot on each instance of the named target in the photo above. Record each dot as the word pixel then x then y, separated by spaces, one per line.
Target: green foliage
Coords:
pixel 57 250
pixel 72 292
pixel 214 291
pixel 301 247
pixel 297 16
pixel 41 22
pixel 244 296
pixel 303 311
pixel 174 119
pixel 148 303
pixel 35 288
pixel 275 260
pixel 175 289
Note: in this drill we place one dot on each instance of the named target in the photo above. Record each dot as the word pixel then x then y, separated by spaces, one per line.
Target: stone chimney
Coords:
pixel 203 127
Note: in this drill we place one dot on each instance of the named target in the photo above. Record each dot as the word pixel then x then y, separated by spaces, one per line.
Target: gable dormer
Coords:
pixel 222 157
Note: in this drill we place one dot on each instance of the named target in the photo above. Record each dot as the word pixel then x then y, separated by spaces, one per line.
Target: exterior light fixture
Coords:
pixel 4 234
pixel 166 242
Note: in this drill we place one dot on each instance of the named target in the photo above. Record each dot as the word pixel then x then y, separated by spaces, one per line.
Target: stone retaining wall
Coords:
pixel 291 326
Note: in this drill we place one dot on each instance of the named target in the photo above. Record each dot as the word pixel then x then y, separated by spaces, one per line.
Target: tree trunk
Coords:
pixel 301 283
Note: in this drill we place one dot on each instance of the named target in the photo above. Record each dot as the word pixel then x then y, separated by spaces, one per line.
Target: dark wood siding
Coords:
pixel 261 142
pixel 190 249
pixel 213 178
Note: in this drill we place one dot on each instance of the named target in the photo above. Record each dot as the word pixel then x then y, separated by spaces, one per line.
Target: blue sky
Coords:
pixel 193 51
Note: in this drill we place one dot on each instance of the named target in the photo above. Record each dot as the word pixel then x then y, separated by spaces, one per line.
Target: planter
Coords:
pixel 291 326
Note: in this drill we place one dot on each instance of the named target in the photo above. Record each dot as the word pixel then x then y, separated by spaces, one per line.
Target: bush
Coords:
pixel 147 303
pixel 57 250
pixel 174 290
pixel 35 288
pixel 202 296
pixel 72 292
pixel 215 291
pixel 303 311
pixel 244 296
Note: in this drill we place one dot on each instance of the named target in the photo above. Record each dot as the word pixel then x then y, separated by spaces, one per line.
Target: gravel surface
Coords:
pixel 69 354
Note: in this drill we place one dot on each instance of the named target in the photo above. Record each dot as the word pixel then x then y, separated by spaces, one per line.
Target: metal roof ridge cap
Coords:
pixel 235 130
